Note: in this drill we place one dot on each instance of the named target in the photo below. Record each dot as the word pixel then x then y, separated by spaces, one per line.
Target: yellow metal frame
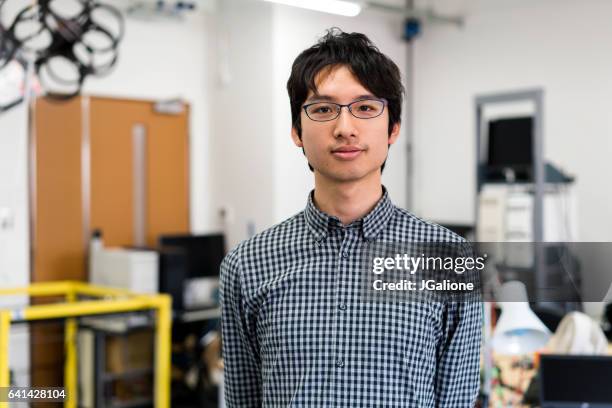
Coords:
pixel 111 300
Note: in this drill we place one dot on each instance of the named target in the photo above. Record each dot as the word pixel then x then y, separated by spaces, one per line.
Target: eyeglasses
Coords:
pixel 362 109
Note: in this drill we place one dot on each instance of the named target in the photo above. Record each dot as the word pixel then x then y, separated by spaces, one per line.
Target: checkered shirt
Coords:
pixel 296 332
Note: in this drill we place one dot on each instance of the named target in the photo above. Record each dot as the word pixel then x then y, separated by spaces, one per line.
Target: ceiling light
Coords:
pixel 343 8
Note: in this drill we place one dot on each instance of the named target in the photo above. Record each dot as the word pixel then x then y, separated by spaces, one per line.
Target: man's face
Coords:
pixel 345 149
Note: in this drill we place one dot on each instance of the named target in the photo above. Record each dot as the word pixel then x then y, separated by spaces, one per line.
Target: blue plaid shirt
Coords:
pixel 296 332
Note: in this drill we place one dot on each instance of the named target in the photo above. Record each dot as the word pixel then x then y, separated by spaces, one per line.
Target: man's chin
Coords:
pixel 346 175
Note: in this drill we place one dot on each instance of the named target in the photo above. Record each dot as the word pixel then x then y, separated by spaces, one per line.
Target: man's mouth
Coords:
pixel 347 152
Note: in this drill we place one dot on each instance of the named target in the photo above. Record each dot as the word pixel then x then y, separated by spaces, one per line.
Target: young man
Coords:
pixel 295 330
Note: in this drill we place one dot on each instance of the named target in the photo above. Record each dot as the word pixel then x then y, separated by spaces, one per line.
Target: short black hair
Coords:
pixel 373 69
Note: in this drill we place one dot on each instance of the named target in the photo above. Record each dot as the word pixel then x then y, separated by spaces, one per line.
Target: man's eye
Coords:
pixel 366 108
pixel 323 109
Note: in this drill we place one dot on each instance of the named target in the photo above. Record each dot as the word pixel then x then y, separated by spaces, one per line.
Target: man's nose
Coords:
pixel 345 124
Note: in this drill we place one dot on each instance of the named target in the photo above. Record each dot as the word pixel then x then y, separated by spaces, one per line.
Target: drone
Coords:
pixel 64 48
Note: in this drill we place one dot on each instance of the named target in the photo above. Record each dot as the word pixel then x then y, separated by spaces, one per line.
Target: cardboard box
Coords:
pixel 132 351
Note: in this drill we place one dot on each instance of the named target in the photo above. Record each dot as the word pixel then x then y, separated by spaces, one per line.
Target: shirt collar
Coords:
pixel 371 225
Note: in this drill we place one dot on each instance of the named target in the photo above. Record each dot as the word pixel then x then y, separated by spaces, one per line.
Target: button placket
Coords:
pixel 343 269
pixel 338 362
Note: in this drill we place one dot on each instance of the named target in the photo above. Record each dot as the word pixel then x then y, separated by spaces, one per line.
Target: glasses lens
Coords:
pixel 322 111
pixel 368 108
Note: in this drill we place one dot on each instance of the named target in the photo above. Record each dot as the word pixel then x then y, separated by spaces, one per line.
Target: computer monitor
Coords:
pixel 575 381
pixel 510 142
pixel 204 252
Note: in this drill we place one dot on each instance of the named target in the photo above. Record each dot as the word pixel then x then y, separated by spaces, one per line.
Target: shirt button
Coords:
pixel 342 306
pixel 339 363
pixel 345 254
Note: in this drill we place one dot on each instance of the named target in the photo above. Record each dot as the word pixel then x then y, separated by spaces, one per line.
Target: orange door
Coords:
pixel 100 163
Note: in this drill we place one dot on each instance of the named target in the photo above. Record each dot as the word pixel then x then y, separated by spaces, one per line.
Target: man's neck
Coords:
pixel 349 201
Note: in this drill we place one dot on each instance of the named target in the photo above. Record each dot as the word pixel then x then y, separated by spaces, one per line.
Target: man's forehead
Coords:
pixel 327 75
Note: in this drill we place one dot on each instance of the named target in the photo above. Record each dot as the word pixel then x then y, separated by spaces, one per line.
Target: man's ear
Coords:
pixel 395 130
pixel 296 137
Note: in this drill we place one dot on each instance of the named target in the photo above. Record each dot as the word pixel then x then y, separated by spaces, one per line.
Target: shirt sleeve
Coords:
pixel 458 371
pixel 240 354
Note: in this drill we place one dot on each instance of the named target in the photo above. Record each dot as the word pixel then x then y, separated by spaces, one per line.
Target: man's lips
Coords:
pixel 347 152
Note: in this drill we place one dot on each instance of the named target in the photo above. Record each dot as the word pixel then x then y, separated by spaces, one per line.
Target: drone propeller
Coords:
pixel 65 49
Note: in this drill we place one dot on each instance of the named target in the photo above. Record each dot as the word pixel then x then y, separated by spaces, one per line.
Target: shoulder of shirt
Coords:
pixel 435 230
pixel 267 237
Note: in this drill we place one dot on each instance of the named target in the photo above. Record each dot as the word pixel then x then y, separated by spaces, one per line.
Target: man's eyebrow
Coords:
pixel 319 97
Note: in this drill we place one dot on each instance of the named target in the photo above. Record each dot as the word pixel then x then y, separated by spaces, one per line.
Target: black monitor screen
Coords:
pixel 510 142
pixel 567 378
pixel 204 252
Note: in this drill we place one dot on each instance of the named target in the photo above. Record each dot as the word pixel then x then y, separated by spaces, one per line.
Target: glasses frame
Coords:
pixel 348 107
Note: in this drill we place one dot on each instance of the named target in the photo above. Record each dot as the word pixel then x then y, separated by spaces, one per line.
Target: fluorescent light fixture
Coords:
pixel 343 8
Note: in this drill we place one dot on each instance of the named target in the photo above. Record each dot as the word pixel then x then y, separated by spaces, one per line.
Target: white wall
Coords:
pixel 242 117
pixel 559 45
pixel 14 245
